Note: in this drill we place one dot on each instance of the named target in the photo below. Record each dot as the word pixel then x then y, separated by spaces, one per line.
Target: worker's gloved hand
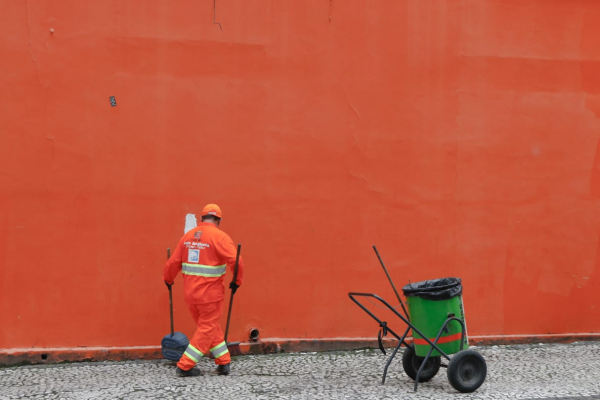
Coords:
pixel 234 287
pixel 168 284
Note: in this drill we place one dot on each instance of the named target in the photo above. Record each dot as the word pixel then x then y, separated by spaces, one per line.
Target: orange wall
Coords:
pixel 461 137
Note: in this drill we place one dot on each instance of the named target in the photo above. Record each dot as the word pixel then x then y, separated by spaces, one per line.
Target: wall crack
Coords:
pixel 215 15
pixel 37 71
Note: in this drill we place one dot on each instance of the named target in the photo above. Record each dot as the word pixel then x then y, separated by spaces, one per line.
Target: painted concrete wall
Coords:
pixel 461 137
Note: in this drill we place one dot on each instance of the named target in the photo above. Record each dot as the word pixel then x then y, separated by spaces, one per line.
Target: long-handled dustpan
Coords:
pixel 233 347
pixel 174 344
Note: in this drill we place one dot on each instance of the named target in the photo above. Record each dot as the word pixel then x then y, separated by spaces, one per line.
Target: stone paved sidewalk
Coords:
pixel 514 372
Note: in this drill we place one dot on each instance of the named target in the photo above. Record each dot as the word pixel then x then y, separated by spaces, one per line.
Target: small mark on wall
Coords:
pixel 190 223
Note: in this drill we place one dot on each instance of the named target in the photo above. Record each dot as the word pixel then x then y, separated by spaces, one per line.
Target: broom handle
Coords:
pixel 170 295
pixel 235 272
pixel 393 286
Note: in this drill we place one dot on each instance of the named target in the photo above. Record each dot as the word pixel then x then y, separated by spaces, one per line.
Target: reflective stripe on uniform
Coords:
pixel 203 270
pixel 193 353
pixel 219 350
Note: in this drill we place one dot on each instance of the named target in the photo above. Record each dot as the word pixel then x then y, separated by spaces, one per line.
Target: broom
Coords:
pixel 233 347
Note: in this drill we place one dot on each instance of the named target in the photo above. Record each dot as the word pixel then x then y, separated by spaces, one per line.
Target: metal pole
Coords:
pixel 390 279
pixel 170 295
pixel 235 272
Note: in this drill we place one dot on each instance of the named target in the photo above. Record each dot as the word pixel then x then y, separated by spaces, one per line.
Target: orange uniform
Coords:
pixel 203 254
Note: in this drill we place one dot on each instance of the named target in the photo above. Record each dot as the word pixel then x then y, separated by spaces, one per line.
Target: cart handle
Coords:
pixel 352 296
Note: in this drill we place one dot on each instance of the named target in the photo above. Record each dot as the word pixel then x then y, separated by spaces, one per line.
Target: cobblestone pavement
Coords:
pixel 514 372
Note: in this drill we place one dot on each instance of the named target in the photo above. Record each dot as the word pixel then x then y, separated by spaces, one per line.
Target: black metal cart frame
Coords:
pixel 401 339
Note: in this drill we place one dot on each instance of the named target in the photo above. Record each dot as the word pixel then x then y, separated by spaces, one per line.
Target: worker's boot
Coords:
pixel 224 369
pixel 191 372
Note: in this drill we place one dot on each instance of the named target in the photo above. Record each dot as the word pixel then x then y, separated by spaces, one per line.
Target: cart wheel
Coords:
pixel 411 363
pixel 467 371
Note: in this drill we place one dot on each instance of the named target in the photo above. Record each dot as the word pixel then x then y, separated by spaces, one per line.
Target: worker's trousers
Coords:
pixel 207 338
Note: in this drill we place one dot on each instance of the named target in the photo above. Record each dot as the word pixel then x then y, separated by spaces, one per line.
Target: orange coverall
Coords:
pixel 203 255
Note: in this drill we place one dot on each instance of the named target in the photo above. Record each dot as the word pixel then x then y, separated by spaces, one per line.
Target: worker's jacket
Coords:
pixel 203 255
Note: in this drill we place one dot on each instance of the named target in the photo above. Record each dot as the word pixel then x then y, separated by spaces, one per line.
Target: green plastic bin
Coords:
pixel 429 304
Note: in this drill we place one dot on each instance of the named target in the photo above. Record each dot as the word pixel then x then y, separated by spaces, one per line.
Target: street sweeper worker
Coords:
pixel 203 254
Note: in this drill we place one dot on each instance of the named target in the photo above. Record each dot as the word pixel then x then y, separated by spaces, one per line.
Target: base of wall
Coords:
pixel 14 357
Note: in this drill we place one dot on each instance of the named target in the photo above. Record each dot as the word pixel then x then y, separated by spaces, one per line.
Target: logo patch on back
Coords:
pixel 193 255
pixel 198 234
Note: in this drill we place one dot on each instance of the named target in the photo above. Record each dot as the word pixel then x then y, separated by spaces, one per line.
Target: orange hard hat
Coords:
pixel 212 209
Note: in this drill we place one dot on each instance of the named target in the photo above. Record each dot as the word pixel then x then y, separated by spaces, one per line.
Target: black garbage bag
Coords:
pixel 436 289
